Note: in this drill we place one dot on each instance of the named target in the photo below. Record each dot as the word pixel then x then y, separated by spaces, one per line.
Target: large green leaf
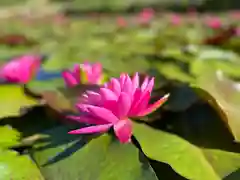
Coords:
pixel 102 158
pixel 12 99
pixel 9 136
pixel 225 97
pixel 185 158
pixel 174 72
pixel 17 167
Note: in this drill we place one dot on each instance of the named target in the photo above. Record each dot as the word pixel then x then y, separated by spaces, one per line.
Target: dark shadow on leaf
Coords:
pixel 185 67
pixel 59 136
pixel 33 121
pixel 200 125
pixel 67 152
pixel 162 170
pixel 165 171
pixel 234 175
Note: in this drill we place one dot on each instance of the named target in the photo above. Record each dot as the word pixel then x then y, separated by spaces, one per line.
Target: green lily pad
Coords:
pixel 63 99
pixel 174 72
pixel 103 158
pixel 225 97
pixel 12 99
pixel 40 86
pixel 17 167
pixel 9 137
pixel 198 67
pixel 185 158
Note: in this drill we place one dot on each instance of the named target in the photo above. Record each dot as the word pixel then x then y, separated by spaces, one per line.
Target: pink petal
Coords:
pixel 97 68
pixel 93 97
pixel 150 85
pixel 123 105
pixel 122 79
pixel 123 130
pixel 92 129
pixel 69 79
pixel 141 104
pixel 88 120
pixel 114 85
pixel 102 113
pixel 107 94
pixel 112 106
pixel 135 82
pixel 20 70
pixel 145 83
pixel 77 72
pixel 127 87
pixel 136 97
pixel 154 106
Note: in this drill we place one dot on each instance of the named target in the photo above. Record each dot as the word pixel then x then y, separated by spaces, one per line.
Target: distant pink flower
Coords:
pixel 60 19
pixel 235 15
pixel 238 31
pixel 145 17
pixel 214 23
pixel 21 69
pixel 176 19
pixel 121 22
pixel 114 104
pixel 91 72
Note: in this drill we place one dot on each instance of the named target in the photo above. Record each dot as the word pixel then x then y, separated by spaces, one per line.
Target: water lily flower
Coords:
pixel 235 15
pixel 91 73
pixel 176 19
pixel 114 104
pixel 145 17
pixel 238 32
pixel 214 23
pixel 21 69
pixel 121 22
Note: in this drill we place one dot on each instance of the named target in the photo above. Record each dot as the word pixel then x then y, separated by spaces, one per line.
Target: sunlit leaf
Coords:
pixel 185 158
pixel 226 96
pixel 17 167
pixel 101 158
pixel 9 137
pixel 12 99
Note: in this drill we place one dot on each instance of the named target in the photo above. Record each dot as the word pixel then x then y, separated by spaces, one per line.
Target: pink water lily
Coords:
pixel 176 19
pixel 121 22
pixel 114 104
pixel 146 16
pixel 91 72
pixel 21 69
pixel 214 23
pixel 238 31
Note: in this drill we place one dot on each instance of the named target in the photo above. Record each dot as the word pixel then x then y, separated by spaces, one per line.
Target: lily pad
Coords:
pixel 12 99
pixel 101 158
pixel 185 158
pixel 9 136
pixel 63 99
pixel 174 72
pixel 17 167
pixel 225 97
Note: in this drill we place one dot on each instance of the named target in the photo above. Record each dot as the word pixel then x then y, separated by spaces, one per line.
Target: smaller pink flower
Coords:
pixel 114 104
pixel 91 73
pixel 60 19
pixel 176 19
pixel 121 22
pixel 235 15
pixel 238 31
pixel 21 69
pixel 146 16
pixel 214 23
